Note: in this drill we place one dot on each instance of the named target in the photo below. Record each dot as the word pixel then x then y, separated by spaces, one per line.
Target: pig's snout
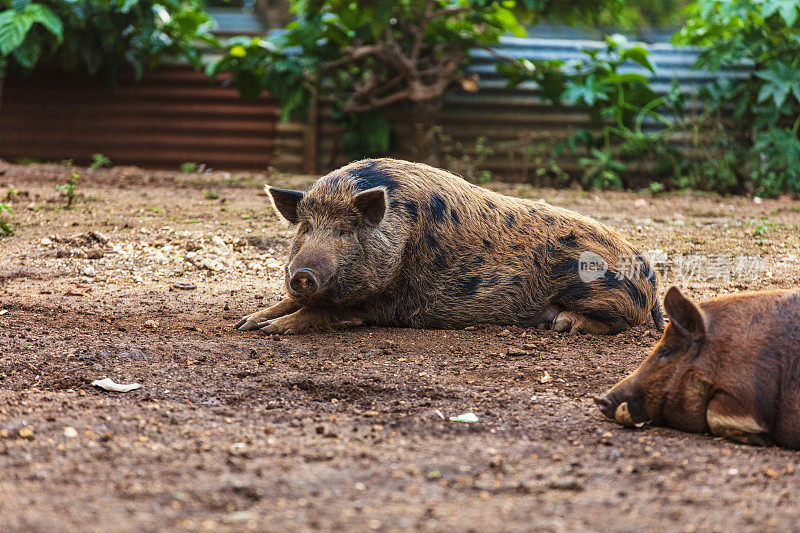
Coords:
pixel 626 413
pixel 305 282
pixel 606 405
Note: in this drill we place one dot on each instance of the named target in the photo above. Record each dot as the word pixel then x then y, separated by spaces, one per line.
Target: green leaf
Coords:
pixel 786 8
pixel 588 92
pixel 625 77
pixel 508 22
pixel 639 55
pixel 14 28
pixel 238 51
pixel 45 17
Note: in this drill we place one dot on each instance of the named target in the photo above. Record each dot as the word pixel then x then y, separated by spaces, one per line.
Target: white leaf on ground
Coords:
pixel 108 384
pixel 466 417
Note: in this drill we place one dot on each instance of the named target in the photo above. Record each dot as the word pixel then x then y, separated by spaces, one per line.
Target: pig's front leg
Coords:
pixel 261 318
pixel 307 319
pixel 727 418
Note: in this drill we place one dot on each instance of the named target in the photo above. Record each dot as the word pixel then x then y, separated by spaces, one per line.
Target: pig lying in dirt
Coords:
pixel 392 243
pixel 729 366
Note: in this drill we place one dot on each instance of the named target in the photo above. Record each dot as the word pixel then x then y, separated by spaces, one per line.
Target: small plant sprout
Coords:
pixel 211 194
pixel 760 230
pixel 69 189
pixel 5 227
pixel 99 161
pixel 189 167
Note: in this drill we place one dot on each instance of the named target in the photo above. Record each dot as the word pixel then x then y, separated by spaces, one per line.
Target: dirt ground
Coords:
pixel 347 430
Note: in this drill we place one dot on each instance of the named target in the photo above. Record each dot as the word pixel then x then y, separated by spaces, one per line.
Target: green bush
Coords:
pixel 746 138
pixel 616 102
pixel 756 118
pixel 99 37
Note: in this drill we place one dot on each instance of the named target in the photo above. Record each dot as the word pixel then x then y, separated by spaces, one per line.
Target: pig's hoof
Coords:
pixel 249 323
pixel 279 327
pixel 566 322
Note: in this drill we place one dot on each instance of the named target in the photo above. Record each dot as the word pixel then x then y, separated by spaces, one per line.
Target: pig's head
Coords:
pixel 337 235
pixel 666 389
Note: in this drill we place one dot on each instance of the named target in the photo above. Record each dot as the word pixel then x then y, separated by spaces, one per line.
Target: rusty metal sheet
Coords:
pixel 172 116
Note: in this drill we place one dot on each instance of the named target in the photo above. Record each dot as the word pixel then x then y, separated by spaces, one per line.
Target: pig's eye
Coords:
pixel 665 353
pixel 304 229
pixel 341 234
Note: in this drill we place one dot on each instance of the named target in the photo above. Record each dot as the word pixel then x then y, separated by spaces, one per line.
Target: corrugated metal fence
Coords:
pixel 174 115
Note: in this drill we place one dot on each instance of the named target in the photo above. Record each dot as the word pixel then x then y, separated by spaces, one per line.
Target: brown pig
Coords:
pixel 392 243
pixel 728 365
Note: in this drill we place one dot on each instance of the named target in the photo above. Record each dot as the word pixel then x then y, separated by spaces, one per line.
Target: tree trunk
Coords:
pixel 422 143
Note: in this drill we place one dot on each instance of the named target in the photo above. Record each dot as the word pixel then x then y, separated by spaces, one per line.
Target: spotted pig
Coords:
pixel 393 243
pixel 729 366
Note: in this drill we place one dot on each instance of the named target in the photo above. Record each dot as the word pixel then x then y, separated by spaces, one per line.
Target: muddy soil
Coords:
pixel 142 280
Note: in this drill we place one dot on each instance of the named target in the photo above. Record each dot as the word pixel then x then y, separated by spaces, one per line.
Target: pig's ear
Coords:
pixel 684 315
pixel 371 204
pixel 285 202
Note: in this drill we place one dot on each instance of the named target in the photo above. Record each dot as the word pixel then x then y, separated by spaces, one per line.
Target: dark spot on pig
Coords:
pixel 440 261
pixel 431 241
pixel 370 176
pixel 510 220
pixel 565 268
pixel 568 241
pixel 517 247
pixel 469 285
pixel 454 216
pixel 409 206
pixel 491 204
pixel 647 272
pixel 487 244
pixel 613 280
pixel 437 207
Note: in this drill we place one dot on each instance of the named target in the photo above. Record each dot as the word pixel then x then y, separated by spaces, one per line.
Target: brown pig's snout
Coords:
pixel 309 273
pixel 304 281
pixel 606 404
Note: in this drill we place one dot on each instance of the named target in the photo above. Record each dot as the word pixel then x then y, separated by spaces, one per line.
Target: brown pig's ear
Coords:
pixel 371 204
pixel 684 315
pixel 285 202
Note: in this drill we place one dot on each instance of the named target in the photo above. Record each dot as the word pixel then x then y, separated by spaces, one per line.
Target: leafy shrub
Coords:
pixel 756 117
pixel 616 102
pixel 99 37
